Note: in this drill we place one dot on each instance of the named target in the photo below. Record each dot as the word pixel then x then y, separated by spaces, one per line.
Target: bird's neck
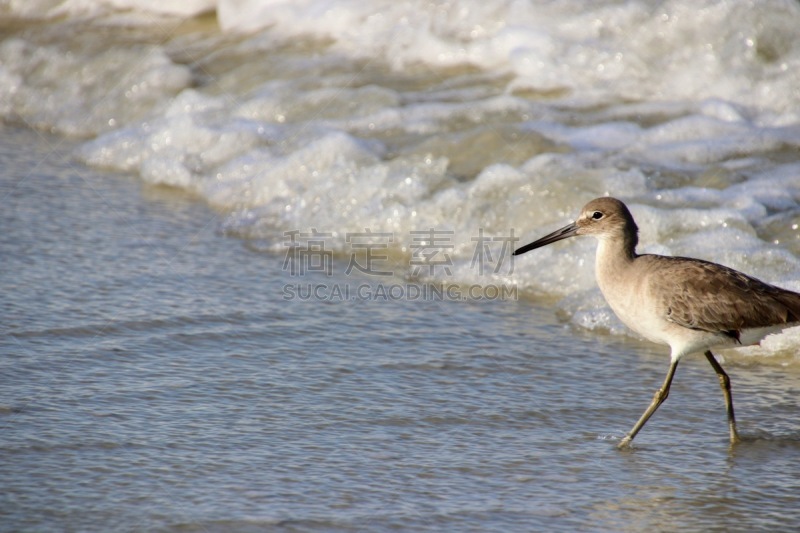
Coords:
pixel 621 248
pixel 614 256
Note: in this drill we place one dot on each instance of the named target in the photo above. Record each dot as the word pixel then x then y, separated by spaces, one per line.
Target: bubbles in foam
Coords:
pixel 85 95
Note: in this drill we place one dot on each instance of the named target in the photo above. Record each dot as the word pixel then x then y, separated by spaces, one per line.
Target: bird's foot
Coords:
pixel 625 443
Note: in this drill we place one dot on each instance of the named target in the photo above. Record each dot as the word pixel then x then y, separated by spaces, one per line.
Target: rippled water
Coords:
pixel 146 387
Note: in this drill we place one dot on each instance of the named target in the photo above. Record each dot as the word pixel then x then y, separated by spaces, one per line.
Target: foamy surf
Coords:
pixel 475 121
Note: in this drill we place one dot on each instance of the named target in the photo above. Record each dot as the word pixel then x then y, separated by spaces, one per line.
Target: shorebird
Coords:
pixel 689 304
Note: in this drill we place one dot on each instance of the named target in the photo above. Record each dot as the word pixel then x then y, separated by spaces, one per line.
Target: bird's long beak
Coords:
pixel 564 233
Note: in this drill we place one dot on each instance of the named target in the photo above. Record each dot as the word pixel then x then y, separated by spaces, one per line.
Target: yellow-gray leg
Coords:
pixel 659 397
pixel 725 384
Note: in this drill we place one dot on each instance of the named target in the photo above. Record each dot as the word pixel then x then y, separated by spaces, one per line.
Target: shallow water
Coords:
pixel 145 387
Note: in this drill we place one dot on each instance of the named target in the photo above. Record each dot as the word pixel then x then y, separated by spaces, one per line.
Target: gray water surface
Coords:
pixel 154 377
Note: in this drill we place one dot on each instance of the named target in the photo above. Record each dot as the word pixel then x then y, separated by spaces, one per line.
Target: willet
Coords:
pixel 689 304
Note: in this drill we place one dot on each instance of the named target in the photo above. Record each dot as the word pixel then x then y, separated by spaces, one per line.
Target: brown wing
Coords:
pixel 710 297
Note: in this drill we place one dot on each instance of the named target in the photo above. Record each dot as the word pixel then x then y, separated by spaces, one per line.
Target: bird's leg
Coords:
pixel 659 397
pixel 725 384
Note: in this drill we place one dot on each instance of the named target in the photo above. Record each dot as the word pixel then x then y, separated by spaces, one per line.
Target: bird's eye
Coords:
pixel 597 215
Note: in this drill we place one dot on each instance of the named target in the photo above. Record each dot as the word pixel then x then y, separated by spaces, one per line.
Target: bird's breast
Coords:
pixel 629 294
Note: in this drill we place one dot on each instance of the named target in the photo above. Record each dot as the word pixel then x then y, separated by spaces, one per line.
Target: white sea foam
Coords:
pixel 473 118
